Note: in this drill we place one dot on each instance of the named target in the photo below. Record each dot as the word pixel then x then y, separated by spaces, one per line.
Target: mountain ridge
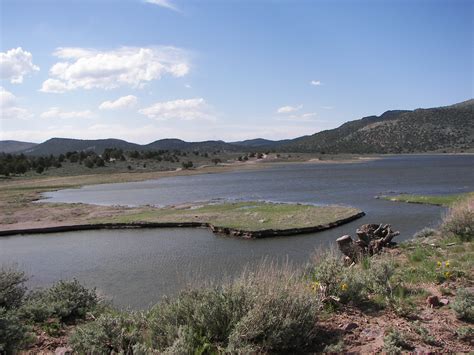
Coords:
pixel 394 131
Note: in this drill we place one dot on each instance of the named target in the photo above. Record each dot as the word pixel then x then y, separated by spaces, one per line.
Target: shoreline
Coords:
pixel 23 206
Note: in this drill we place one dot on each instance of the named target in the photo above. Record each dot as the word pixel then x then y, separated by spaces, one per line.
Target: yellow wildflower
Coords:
pixel 446 263
pixel 447 274
pixel 315 286
pixel 439 263
pixel 344 287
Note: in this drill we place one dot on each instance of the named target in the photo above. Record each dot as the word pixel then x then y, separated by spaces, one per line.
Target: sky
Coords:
pixel 143 70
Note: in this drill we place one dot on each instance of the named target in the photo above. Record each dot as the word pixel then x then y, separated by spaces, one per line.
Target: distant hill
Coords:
pixel 205 146
pixel 15 146
pixel 260 142
pixel 422 130
pixel 449 128
pixel 58 146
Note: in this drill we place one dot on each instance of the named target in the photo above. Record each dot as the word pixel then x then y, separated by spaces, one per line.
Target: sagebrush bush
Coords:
pixel 463 305
pixel 283 321
pixel 394 342
pixel 12 287
pixel 65 300
pixel 332 279
pixel 380 278
pixel 112 332
pixel 36 307
pixel 465 333
pixel 13 333
pixel 71 300
pixel 262 311
pixel 459 220
pixel 209 314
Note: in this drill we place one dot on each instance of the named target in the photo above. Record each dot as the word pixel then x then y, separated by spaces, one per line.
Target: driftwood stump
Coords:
pixel 372 238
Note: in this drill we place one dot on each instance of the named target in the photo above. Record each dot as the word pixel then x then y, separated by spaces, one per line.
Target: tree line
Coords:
pixel 20 164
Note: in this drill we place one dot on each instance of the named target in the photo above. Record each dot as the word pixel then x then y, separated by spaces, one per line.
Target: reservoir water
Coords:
pixel 138 267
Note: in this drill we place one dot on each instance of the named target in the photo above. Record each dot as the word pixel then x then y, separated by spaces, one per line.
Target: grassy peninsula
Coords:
pixel 248 216
pixel 417 297
pixel 438 200
pixel 21 207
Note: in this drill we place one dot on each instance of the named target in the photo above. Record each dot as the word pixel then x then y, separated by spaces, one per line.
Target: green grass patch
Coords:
pixel 438 200
pixel 250 216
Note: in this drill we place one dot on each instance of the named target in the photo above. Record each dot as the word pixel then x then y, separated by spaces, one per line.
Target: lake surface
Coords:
pixel 139 266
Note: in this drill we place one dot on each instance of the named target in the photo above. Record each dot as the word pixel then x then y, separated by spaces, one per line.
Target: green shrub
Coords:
pixel 277 322
pixel 394 342
pixel 459 220
pixel 424 334
pixel 110 333
pixel 463 305
pixel 188 342
pixel 36 307
pixel 13 334
pixel 71 300
pixel 12 288
pixel 208 315
pixel 66 300
pixel 465 334
pixel 380 278
pixel 332 280
pixel 262 311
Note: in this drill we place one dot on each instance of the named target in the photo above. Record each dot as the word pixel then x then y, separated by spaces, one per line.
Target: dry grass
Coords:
pixel 459 221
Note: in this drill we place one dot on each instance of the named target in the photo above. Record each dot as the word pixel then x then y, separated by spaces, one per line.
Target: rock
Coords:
pixel 444 301
pixel 432 301
pixel 349 326
pixel 371 333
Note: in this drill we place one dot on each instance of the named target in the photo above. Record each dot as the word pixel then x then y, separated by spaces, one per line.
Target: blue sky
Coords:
pixel 143 70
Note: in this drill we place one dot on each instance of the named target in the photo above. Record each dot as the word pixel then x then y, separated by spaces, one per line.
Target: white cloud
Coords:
pixel 316 82
pixel 163 3
pixel 288 109
pixel 82 68
pixel 308 115
pixel 305 117
pixel 56 112
pixel 327 107
pixel 15 64
pixel 8 106
pixel 7 99
pixel 121 103
pixel 190 109
pixel 54 86
pixel 187 86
